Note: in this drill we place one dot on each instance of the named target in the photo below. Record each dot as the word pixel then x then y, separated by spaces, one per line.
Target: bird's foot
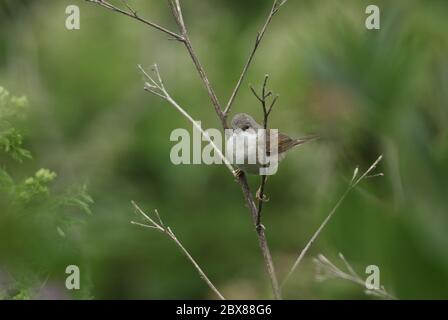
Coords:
pixel 260 227
pixel 238 173
pixel 265 198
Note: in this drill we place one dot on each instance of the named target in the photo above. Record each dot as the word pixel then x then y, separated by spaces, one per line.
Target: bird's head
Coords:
pixel 243 121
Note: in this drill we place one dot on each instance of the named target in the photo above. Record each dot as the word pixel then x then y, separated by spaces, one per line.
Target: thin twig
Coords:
pixel 125 2
pixel 157 88
pixel 241 179
pixel 263 97
pixel 262 241
pixel 261 199
pixel 133 14
pixel 177 13
pixel 348 266
pixel 167 231
pixel 326 269
pixel 354 182
pixel 274 9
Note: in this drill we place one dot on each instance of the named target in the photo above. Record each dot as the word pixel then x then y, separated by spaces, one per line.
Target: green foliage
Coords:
pixel 78 198
pixel 12 109
pixel 6 182
pixel 366 92
pixel 23 294
pixel 36 185
pixel 33 195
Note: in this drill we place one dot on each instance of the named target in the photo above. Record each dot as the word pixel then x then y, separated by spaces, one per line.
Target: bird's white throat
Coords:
pixel 245 149
pixel 249 151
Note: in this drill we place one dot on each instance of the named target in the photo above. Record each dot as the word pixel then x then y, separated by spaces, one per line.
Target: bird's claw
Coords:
pixel 238 173
pixel 265 198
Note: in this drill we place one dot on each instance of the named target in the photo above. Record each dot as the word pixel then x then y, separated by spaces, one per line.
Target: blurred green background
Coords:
pixel 366 92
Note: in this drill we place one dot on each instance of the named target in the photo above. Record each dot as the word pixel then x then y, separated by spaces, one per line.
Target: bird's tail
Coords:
pixel 302 140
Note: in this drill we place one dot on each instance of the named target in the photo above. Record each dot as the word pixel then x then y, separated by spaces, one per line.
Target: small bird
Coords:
pixel 245 129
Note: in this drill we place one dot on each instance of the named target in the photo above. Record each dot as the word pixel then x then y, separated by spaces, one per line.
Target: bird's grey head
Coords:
pixel 244 121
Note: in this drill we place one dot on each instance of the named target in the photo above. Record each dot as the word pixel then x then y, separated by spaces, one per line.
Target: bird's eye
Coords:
pixel 245 127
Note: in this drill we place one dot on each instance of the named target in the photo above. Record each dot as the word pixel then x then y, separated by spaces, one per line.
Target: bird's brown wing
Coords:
pixel 284 143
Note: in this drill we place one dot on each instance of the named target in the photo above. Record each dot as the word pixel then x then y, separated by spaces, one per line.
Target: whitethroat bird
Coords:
pixel 255 151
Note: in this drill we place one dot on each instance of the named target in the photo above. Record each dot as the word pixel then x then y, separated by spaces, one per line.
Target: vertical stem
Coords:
pixel 261 237
pixel 198 268
pixel 177 12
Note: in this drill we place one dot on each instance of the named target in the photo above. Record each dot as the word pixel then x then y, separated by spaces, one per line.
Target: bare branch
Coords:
pixel 263 97
pixel 350 187
pixel 255 93
pixel 348 266
pixel 326 270
pixel 145 225
pixel 368 171
pixel 158 217
pixel 272 105
pixel 274 9
pixel 157 88
pixel 125 2
pixel 133 14
pixel 262 241
pixel 177 13
pixel 167 230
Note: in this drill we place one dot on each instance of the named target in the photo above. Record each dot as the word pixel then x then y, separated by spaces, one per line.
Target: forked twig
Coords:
pixel 159 226
pixel 327 270
pixel 133 14
pixel 156 87
pixel 353 183
pixel 177 13
pixel 274 9
pixel 264 96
